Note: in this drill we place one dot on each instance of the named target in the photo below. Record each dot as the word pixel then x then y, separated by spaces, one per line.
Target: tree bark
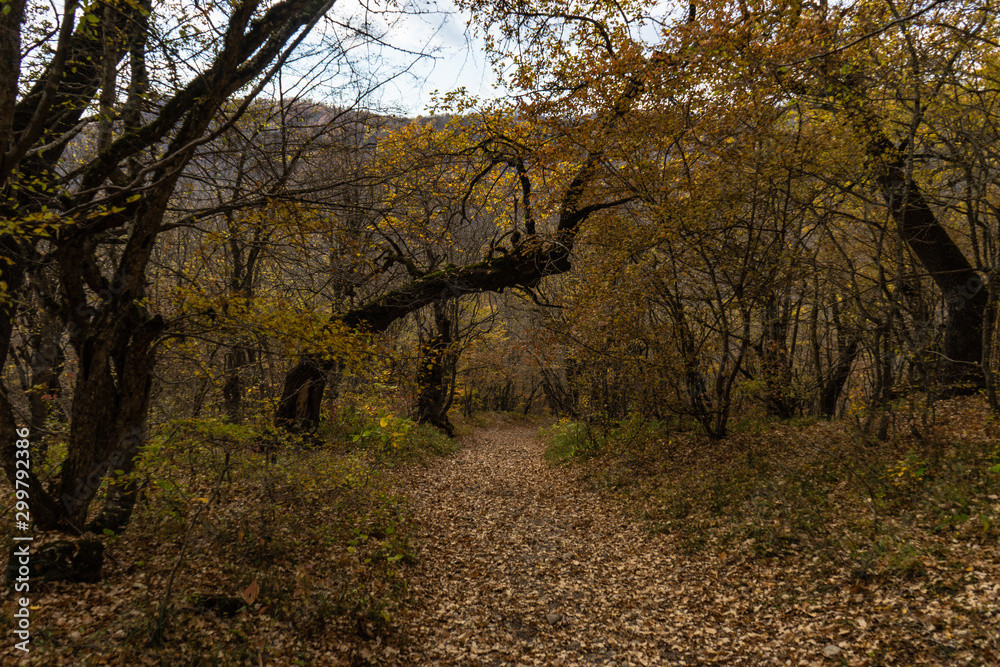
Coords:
pixel 961 285
pixel 965 299
pixel 238 359
pixel 431 382
pixel 302 396
pixel 848 346
pixel 776 363
pixel 110 402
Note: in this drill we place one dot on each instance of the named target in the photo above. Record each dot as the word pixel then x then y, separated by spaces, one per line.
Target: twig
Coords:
pixel 157 635
pixel 874 33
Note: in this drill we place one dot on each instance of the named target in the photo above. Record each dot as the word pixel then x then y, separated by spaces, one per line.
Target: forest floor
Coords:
pixel 754 551
pixel 524 563
pixel 520 564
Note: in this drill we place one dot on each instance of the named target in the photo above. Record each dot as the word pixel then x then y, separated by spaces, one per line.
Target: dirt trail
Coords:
pixel 521 565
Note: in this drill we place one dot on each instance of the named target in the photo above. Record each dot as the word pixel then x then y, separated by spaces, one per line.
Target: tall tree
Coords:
pixel 90 204
pixel 562 123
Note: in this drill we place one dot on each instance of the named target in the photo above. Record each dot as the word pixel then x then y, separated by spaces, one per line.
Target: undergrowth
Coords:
pixel 821 489
pixel 249 544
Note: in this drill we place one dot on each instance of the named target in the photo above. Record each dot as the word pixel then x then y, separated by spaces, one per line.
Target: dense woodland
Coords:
pixel 227 274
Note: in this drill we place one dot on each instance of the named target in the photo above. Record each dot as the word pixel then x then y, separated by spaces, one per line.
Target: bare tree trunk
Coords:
pixel 110 402
pixel 838 376
pixel 776 365
pixel 989 331
pixel 238 359
pixel 848 346
pixel 937 252
pixel 302 396
pixel 431 381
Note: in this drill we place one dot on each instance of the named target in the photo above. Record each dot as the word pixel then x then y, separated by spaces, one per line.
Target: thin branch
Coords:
pixel 874 33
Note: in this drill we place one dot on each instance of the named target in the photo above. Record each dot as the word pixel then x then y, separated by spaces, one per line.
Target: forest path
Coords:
pixel 519 564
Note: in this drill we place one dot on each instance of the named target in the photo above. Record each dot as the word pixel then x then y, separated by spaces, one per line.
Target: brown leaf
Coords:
pixel 251 592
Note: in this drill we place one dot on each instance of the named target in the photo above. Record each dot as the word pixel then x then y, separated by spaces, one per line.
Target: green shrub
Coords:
pixel 568 439
pixel 391 439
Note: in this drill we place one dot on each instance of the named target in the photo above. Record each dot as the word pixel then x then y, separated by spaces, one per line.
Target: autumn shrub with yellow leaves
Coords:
pixel 244 536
